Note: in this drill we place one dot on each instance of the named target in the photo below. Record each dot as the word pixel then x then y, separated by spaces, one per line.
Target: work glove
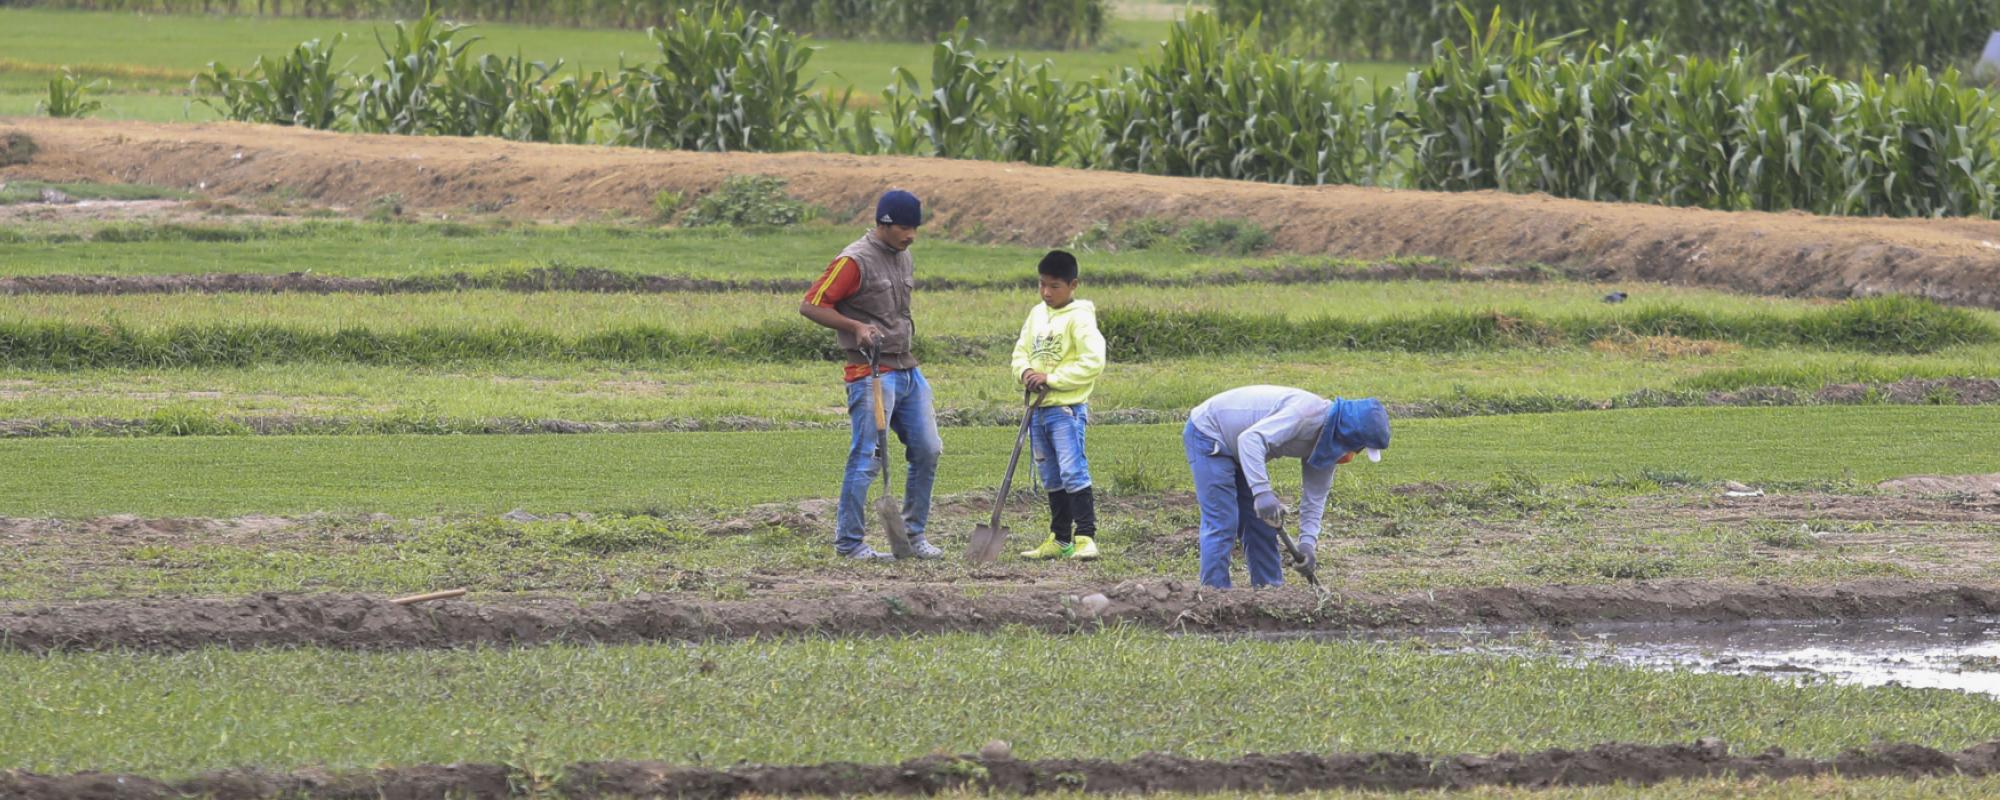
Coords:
pixel 1269 509
pixel 1309 558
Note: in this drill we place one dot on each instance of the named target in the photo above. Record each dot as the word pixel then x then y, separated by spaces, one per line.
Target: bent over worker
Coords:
pixel 864 296
pixel 1231 439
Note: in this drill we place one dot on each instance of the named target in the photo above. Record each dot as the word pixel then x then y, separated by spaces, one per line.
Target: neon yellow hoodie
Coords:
pixel 1062 343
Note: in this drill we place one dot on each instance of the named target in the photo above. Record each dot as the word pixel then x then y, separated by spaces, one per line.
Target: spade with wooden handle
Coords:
pixel 887 509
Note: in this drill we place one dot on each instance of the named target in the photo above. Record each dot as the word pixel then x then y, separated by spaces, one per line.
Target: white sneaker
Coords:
pixel 866 553
pixel 925 550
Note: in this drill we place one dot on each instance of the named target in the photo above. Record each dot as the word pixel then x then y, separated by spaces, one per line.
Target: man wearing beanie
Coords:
pixel 1231 440
pixel 1059 354
pixel 864 296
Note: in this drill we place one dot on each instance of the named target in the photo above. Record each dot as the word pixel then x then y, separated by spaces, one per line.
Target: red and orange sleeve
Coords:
pixel 841 279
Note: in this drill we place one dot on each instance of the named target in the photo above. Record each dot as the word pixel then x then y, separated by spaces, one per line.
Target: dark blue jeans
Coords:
pixel 907 397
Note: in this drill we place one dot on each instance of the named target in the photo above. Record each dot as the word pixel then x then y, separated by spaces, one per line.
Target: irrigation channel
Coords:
pixel 1957 653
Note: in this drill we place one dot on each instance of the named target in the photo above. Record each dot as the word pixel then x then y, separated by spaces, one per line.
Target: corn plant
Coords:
pixel 405 98
pixel 1792 152
pixel 1689 123
pixel 69 96
pixel 562 113
pixel 725 80
pixel 1037 117
pixel 1925 148
pixel 1458 117
pixel 1573 130
pixel 956 114
pixel 302 88
pixel 1849 36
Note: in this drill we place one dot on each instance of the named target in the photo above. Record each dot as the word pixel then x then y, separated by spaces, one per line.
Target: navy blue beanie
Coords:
pixel 898 207
pixel 1351 425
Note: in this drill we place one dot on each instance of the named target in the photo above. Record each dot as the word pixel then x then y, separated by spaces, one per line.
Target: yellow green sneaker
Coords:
pixel 1050 548
pixel 1086 549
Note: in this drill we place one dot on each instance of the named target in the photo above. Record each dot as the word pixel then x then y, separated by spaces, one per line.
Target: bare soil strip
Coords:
pixel 1952 391
pixel 353 621
pixel 1952 261
pixel 1152 773
pixel 607 281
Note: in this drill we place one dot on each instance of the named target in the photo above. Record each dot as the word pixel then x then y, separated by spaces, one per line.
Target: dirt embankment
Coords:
pixel 1952 261
pixel 365 622
pixel 1152 773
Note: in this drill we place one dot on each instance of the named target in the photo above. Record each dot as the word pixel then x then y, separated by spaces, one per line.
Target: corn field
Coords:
pixel 1615 120
pixel 1052 24
pixel 1849 36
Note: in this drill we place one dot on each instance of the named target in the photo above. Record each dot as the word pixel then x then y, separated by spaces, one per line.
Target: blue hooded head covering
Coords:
pixel 1351 425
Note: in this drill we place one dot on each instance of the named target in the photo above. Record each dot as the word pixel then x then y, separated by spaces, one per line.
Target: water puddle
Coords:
pixel 1959 654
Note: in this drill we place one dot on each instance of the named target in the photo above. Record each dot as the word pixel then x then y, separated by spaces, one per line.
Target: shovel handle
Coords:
pixel 875 384
pixel 1298 561
pixel 1007 481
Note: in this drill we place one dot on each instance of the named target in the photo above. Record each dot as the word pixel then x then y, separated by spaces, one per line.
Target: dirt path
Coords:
pixel 365 622
pixel 1953 261
pixel 1952 391
pixel 1286 773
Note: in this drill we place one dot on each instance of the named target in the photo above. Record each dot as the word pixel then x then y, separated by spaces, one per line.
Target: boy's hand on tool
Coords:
pixel 1269 509
pixel 865 334
pixel 1035 380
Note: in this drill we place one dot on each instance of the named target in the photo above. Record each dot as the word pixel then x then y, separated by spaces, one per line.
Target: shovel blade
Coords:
pixel 890 512
pixel 986 543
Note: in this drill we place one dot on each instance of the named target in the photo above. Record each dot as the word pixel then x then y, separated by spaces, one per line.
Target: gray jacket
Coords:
pixel 1255 424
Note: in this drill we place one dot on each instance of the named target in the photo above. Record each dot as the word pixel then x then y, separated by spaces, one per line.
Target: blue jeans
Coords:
pixel 1057 433
pixel 1228 515
pixel 908 399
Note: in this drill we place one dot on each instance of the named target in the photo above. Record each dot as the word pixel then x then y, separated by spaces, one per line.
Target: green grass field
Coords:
pixel 1513 499
pixel 974 313
pixel 819 700
pixel 467 397
pixel 412 475
pixel 365 250
pixel 426 390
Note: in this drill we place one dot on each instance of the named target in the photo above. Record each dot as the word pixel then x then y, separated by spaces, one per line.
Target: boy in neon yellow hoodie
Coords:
pixel 1060 351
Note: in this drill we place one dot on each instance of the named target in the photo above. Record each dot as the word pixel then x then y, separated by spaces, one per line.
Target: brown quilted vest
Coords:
pixel 882 300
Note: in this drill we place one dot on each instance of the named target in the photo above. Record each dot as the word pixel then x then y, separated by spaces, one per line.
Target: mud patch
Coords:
pixel 1951 261
pixel 1937 485
pixel 1603 764
pixel 98 211
pixel 368 622
pixel 1956 654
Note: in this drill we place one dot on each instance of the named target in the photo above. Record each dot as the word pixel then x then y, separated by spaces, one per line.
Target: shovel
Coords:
pixel 1292 554
pixel 887 509
pixel 989 538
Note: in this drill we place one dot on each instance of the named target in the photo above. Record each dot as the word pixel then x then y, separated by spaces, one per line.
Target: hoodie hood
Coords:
pixel 1360 424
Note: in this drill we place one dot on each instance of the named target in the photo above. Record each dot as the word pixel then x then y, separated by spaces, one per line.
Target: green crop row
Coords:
pixel 1068 23
pixel 1618 120
pixel 794 702
pixel 1857 34
pixel 1889 324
